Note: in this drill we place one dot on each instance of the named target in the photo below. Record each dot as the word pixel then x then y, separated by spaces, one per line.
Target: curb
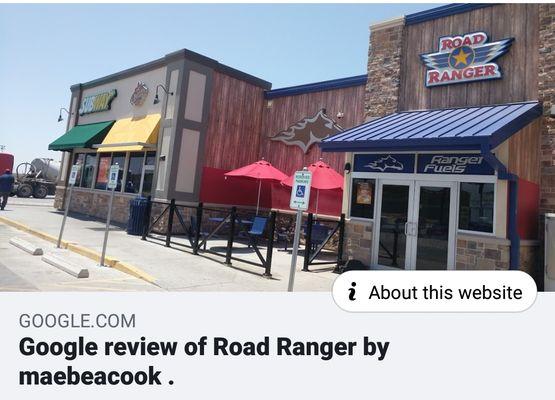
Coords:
pixel 84 251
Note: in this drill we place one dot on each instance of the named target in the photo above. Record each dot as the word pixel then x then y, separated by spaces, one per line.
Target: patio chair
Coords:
pixel 257 229
pixel 284 236
pixel 319 234
pixel 193 230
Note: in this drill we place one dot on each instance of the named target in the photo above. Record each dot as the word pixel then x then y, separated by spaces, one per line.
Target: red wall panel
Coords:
pixel 528 209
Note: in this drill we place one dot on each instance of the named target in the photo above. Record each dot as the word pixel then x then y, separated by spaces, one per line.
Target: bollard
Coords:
pixel 308 242
pixel 270 249
pixel 170 223
pixel 197 229
pixel 340 244
pixel 146 222
pixel 231 235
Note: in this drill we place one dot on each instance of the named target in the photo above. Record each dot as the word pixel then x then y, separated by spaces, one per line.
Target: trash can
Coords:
pixel 138 209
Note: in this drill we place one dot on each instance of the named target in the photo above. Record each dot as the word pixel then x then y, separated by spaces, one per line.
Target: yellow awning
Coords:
pixel 132 134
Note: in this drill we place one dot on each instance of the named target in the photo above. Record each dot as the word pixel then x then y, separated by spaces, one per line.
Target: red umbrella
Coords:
pixel 324 177
pixel 261 170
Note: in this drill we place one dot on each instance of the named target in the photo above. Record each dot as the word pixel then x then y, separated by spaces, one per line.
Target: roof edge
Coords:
pixel 317 86
pixel 164 61
pixel 443 11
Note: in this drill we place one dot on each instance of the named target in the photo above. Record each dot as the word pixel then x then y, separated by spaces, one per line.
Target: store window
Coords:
pixel 119 159
pixel 79 159
pixel 476 207
pixel 150 162
pixel 362 198
pixel 87 175
pixel 134 172
pixel 103 170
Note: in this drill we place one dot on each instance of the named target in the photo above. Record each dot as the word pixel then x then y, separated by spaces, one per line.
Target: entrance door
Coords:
pixel 433 230
pixel 394 207
pixel 415 228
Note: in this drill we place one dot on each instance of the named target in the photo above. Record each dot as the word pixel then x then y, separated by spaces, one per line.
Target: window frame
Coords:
pixel 350 197
pixel 494 219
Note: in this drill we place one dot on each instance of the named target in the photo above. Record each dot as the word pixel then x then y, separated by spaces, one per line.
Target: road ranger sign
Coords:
pixel 465 58
pixel 113 177
pixel 300 192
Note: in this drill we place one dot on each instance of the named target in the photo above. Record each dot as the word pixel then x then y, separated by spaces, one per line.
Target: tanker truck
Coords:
pixel 37 178
pixel 6 161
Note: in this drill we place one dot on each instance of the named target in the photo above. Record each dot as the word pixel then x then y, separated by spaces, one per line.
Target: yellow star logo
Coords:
pixel 461 58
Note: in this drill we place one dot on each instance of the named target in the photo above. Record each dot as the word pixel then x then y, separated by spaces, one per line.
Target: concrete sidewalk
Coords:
pixel 170 268
pixel 21 272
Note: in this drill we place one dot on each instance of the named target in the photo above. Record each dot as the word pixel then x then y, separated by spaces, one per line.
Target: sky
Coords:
pixel 44 49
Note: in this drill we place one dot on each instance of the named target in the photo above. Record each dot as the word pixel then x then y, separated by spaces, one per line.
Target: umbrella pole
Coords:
pixel 317 198
pixel 258 200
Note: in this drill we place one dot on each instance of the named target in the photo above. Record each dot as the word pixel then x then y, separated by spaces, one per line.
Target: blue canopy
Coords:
pixel 465 128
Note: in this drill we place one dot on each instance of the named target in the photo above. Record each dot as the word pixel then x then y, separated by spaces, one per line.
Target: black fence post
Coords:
pixel 270 249
pixel 308 242
pixel 197 229
pixel 231 235
pixel 340 244
pixel 170 223
pixel 146 222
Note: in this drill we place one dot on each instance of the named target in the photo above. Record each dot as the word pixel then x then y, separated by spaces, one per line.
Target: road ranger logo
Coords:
pixel 385 163
pixel 451 164
pixel 466 58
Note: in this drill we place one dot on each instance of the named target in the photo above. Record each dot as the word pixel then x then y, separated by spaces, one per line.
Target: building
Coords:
pixel 175 125
pixel 454 167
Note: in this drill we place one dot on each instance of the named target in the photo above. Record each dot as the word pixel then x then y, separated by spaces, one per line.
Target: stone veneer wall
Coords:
pixel 546 91
pixel 489 253
pixel 384 68
pixel 358 241
pixel 95 204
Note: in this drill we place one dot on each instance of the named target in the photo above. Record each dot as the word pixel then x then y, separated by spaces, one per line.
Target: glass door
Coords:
pixel 391 235
pixel 433 229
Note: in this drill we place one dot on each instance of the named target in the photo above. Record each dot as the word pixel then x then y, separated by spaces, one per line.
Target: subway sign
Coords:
pixel 466 58
pixel 97 102
pixel 458 164
pixel 439 164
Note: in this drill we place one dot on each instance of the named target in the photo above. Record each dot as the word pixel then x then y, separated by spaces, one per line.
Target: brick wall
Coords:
pixel 384 67
pixel 546 90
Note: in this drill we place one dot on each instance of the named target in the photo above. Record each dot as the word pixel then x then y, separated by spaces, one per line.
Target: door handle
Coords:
pixel 415 229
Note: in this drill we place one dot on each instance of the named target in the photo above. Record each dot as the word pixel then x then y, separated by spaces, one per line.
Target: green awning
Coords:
pixel 82 136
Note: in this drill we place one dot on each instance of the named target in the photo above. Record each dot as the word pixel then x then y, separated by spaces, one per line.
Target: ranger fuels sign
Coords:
pixel 465 58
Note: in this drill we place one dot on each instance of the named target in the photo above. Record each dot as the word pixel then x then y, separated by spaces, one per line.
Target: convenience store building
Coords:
pixel 455 164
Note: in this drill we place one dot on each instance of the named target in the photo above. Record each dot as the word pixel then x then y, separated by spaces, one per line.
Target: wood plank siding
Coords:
pixel 234 124
pixel 286 111
pixel 524 152
pixel 519 65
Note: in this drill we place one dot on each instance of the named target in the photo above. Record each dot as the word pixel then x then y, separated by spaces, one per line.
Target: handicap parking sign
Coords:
pixel 300 192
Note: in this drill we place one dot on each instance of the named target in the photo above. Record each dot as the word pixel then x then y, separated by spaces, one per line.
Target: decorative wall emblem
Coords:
pixel 308 131
pixel 466 58
pixel 139 94
pixel 97 102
